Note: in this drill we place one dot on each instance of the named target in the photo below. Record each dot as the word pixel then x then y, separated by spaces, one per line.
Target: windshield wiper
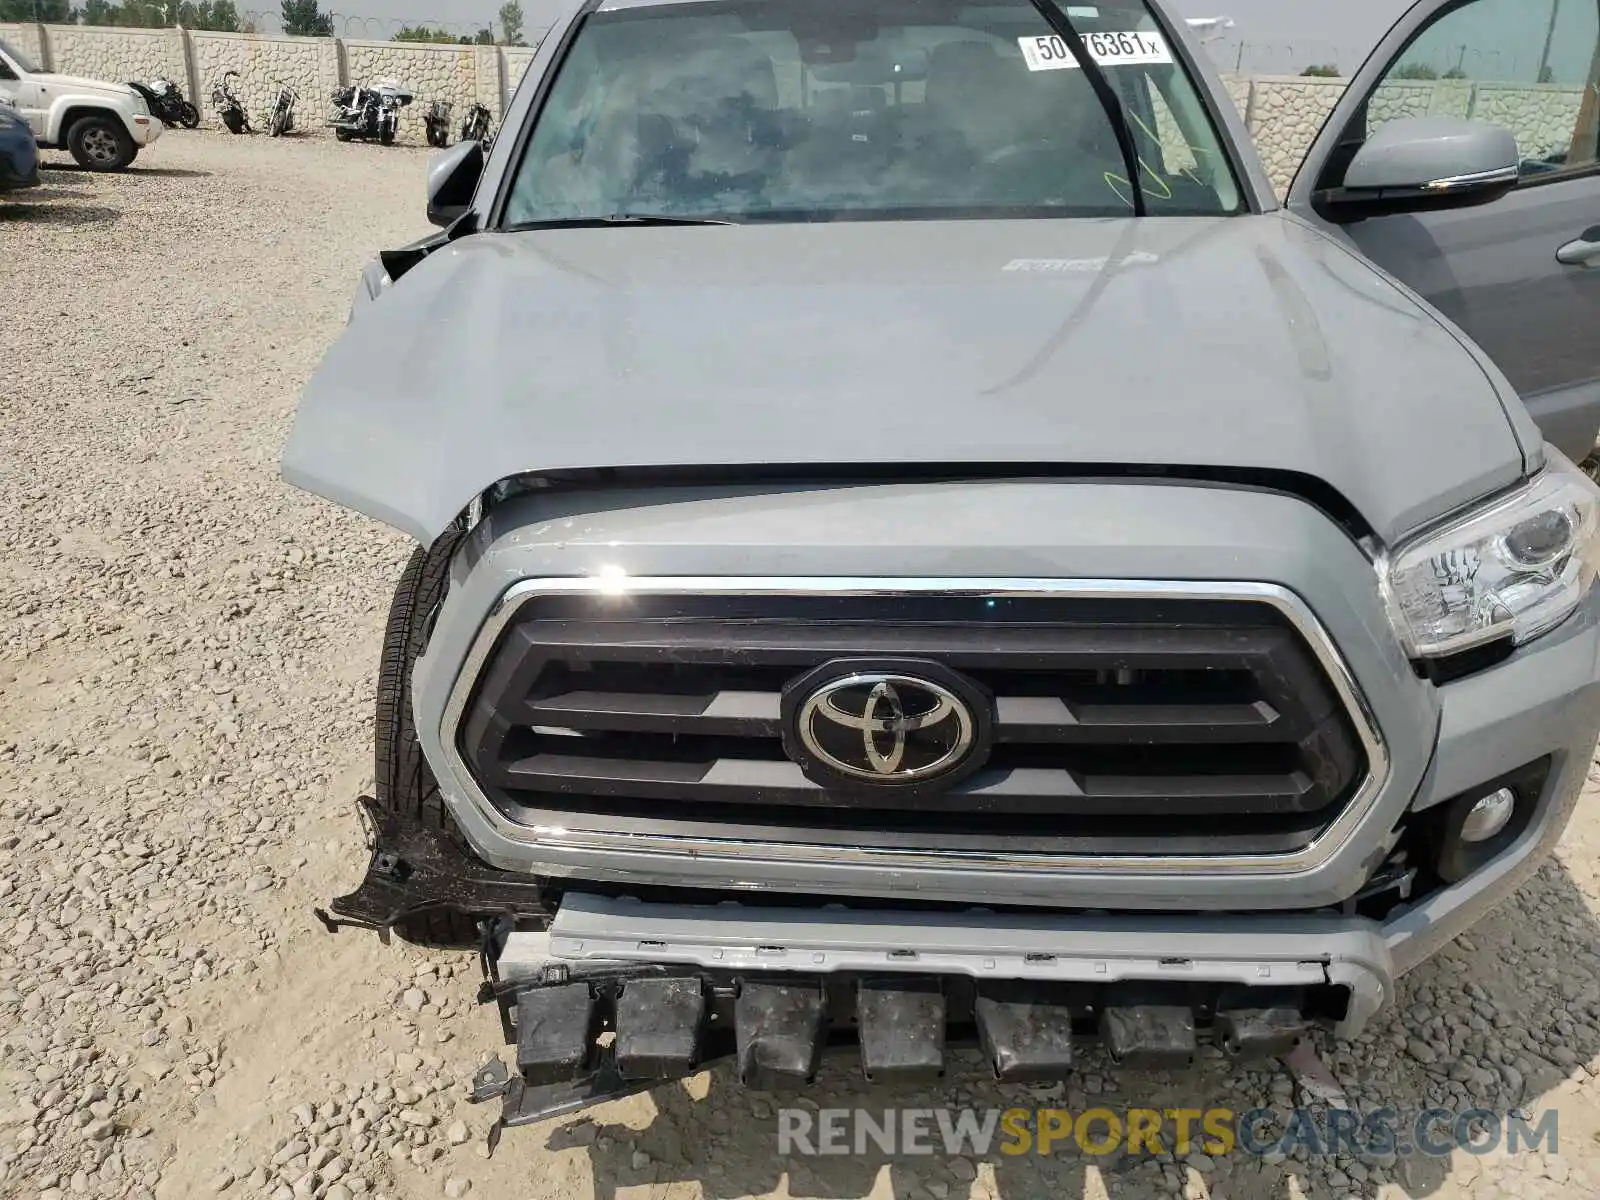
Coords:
pixel 597 222
pixel 1062 26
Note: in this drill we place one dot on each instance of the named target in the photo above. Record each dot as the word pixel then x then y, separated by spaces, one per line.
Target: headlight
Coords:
pixel 1514 569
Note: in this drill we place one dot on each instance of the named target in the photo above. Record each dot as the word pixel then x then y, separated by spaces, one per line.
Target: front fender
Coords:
pixel 69 102
pixel 373 283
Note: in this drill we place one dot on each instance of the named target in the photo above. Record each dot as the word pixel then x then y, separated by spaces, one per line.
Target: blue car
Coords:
pixel 19 156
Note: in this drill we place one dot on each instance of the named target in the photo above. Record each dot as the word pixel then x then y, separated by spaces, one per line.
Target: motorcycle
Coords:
pixel 372 111
pixel 229 110
pixel 282 119
pixel 437 120
pixel 166 103
pixel 475 127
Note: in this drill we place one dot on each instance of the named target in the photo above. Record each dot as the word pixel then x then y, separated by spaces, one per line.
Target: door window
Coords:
pixel 17 57
pixel 1530 66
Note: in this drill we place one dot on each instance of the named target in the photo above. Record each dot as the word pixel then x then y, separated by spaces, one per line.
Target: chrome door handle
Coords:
pixel 1582 252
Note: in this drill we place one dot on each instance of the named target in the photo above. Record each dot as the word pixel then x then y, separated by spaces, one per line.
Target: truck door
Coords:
pixel 1520 276
pixel 19 89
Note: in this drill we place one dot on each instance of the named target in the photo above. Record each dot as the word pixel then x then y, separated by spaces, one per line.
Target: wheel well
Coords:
pixel 78 111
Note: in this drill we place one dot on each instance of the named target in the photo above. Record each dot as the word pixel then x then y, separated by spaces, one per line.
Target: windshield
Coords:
pixel 837 109
pixel 18 57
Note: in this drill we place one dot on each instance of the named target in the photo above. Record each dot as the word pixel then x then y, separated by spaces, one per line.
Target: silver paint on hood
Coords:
pixel 1243 343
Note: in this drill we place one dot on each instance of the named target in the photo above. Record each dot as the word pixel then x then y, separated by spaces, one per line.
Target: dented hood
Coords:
pixel 1245 343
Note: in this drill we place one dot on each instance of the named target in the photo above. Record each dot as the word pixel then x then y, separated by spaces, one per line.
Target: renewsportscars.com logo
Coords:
pixel 979 1133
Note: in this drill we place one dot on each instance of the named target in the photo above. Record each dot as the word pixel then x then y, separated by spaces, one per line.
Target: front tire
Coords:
pixel 405 784
pixel 188 116
pixel 101 144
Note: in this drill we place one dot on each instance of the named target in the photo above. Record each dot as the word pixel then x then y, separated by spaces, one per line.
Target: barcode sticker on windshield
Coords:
pixel 1126 49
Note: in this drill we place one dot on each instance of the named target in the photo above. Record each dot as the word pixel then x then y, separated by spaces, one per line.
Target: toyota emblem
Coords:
pixel 886 727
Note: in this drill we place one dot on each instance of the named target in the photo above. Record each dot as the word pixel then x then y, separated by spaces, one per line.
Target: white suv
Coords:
pixel 103 125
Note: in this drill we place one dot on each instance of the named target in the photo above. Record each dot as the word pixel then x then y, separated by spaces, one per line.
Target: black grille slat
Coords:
pixel 961 647
pixel 1055 719
pixel 1212 717
pixel 1019 790
pixel 1048 719
pixel 746 714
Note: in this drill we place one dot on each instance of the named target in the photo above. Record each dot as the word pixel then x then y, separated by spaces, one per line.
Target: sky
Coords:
pixel 1507 38
pixel 1269 36
pixel 1289 35
pixel 1275 32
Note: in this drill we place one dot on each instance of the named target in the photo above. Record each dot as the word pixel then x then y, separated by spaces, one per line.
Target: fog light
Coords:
pixel 1477 826
pixel 1489 816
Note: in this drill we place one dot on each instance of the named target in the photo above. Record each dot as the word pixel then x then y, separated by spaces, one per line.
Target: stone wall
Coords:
pixel 1285 113
pixel 1409 98
pixel 1542 117
pixel 446 73
pixel 27 38
pixel 308 65
pixel 491 80
pixel 115 54
pixel 1239 90
pixel 1282 112
pixel 314 67
pixel 516 60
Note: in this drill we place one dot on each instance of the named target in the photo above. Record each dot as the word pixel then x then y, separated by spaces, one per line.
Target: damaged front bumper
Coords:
pixel 604 997
pixel 616 996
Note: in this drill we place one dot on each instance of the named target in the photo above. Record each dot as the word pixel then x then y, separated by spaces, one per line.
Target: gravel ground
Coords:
pixel 187 651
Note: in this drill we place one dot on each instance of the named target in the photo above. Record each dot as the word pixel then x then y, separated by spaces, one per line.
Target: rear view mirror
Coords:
pixel 880 69
pixel 1425 164
pixel 452 179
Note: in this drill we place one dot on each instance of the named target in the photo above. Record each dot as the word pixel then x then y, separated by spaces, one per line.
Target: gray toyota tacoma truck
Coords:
pixel 918 546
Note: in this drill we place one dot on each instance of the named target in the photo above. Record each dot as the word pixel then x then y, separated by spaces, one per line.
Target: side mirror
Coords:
pixel 452 179
pixel 1425 164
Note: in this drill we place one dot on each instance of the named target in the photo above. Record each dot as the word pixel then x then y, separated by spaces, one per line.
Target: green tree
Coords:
pixel 95 12
pixel 511 23
pixel 1322 71
pixel 139 14
pixel 218 16
pixel 302 18
pixel 1455 73
pixel 422 33
pixel 1416 70
pixel 52 12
